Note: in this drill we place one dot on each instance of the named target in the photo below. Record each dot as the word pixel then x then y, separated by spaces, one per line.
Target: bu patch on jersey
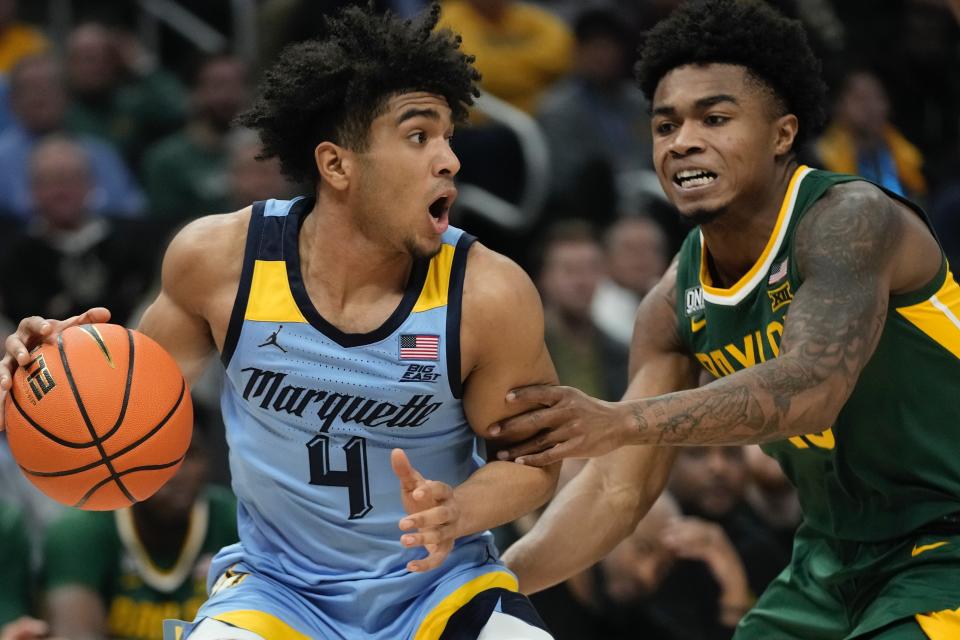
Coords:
pixel 780 296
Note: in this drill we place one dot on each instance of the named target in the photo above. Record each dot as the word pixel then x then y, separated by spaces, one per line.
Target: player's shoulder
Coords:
pixel 858 226
pixel 210 244
pixel 492 279
pixel 214 231
pixel 857 197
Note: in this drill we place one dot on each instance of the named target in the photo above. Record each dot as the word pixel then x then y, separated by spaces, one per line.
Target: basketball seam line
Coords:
pixel 60 441
pixel 86 418
pixel 113 456
pixel 96 441
pixel 147 467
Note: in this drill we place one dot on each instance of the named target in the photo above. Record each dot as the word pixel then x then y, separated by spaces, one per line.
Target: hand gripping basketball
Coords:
pixel 99 416
pixel 31 332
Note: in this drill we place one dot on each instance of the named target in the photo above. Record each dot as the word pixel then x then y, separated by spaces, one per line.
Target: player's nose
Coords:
pixel 686 140
pixel 447 163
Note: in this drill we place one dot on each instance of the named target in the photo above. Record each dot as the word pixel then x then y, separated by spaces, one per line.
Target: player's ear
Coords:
pixel 333 165
pixel 785 128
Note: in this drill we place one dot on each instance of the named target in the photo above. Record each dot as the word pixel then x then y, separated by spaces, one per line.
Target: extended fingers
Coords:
pixel 433 489
pixel 434 559
pixel 31 330
pixel 6 371
pixel 550 456
pixel 526 425
pixel 410 478
pixel 537 444
pixel 535 394
pixel 430 518
pixel 426 537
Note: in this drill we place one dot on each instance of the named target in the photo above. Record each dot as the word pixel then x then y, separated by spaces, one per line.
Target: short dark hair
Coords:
pixel 333 88
pixel 772 47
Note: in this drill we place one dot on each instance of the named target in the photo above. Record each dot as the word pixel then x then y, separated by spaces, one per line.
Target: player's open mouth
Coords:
pixel 439 207
pixel 690 178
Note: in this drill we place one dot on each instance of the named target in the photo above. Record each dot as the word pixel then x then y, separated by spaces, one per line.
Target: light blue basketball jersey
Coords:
pixel 311 416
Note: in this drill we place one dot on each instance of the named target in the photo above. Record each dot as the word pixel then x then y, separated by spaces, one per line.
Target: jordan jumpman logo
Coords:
pixel 272 340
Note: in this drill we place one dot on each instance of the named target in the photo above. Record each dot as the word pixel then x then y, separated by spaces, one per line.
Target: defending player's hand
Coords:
pixel 432 514
pixel 31 332
pixel 567 424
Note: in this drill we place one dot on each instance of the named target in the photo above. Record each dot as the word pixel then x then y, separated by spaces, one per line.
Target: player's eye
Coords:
pixel 418 136
pixel 714 120
pixel 664 128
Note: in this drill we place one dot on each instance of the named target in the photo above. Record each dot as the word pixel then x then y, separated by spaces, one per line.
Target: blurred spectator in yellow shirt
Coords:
pixel 17 40
pixel 520 49
pixel 861 139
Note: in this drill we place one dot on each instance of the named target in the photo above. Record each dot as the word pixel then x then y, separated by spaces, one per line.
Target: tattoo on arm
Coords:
pixel 844 248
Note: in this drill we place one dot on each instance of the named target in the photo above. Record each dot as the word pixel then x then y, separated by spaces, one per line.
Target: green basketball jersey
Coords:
pixel 102 551
pixel 891 461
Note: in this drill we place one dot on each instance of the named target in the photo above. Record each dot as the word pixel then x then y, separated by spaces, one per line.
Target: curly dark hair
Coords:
pixel 334 87
pixel 742 32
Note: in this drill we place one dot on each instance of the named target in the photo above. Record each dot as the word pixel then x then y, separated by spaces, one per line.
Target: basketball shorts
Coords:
pixel 469 605
pixel 908 589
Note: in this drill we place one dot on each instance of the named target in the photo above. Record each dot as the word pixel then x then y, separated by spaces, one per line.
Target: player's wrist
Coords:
pixel 630 423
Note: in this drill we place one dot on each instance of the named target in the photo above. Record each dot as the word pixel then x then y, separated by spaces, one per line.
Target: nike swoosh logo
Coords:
pixel 927 547
pixel 696 325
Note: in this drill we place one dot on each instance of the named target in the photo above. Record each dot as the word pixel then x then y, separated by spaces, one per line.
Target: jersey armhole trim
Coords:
pixel 454 305
pixel 235 327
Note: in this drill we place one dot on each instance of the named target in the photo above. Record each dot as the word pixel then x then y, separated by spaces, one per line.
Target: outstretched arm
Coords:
pixel 854 248
pixel 846 251
pixel 603 503
pixel 502 347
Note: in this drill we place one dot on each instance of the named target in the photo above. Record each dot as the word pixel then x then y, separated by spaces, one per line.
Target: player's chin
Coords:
pixel 425 247
pixel 699 213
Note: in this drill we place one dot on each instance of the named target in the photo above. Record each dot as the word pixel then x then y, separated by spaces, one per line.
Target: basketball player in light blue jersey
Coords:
pixel 367 347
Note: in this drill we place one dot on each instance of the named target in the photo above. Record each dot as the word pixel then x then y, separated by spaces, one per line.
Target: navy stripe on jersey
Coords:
pixel 468 621
pixel 418 275
pixel 454 306
pixel 246 276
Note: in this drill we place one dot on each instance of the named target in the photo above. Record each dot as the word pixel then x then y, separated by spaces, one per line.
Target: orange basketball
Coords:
pixel 101 419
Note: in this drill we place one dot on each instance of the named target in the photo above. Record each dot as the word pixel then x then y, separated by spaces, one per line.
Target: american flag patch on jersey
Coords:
pixel 419 347
pixel 778 273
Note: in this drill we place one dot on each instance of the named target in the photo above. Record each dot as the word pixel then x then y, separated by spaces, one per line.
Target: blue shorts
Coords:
pixel 458 607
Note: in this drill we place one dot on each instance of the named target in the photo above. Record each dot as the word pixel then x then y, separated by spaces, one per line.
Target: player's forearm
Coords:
pixel 582 524
pixel 500 492
pixel 771 401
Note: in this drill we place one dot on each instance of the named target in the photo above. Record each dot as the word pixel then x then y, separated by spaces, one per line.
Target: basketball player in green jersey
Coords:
pixel 824 309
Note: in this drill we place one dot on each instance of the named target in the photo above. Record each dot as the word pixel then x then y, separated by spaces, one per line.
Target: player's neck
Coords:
pixel 736 239
pixel 337 257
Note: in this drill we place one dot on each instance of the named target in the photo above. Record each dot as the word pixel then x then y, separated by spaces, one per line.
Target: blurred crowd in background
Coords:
pixel 116 129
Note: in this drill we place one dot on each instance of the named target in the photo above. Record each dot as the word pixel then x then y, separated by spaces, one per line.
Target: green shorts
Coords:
pixel 908 589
